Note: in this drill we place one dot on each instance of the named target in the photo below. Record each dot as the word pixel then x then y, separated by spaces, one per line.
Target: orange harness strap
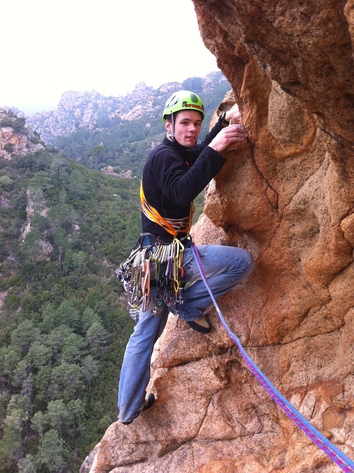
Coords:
pixel 152 214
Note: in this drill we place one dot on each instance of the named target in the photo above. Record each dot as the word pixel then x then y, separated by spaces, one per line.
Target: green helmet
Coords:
pixel 183 100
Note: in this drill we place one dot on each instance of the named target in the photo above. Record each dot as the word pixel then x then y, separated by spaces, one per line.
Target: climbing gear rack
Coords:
pixel 168 271
pixel 157 266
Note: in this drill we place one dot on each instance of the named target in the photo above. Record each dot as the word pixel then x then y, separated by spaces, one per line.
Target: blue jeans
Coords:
pixel 224 267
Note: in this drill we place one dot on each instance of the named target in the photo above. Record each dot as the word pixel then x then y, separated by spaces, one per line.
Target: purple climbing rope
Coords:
pixel 336 455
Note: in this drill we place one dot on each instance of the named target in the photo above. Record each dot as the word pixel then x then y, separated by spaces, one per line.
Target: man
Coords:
pixel 176 171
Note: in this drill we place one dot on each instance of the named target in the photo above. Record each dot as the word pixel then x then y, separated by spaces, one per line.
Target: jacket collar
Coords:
pixel 181 150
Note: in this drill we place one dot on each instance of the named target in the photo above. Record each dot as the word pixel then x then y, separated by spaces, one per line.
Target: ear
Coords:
pixel 168 126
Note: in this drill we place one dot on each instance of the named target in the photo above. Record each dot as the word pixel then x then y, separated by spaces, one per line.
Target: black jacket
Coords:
pixel 173 176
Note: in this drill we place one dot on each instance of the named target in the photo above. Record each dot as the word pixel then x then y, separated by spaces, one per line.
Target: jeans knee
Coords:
pixel 249 262
pixel 246 262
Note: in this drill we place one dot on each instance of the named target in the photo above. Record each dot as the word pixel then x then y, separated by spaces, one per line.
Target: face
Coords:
pixel 187 127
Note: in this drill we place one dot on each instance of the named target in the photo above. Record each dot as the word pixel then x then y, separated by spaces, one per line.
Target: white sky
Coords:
pixel 51 46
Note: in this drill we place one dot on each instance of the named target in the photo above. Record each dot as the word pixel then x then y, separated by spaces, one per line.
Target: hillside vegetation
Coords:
pixel 63 328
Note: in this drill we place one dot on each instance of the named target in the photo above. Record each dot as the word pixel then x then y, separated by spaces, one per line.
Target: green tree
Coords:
pixel 5 182
pixel 66 314
pixel 38 354
pixel 68 264
pixel 20 407
pixel 57 415
pixel 97 336
pixel 44 384
pixel 79 262
pixel 56 338
pixel 74 348
pixel 49 318
pixel 75 409
pixel 88 317
pixel 69 379
pixel 62 215
pixel 61 245
pixel 77 185
pixel 41 180
pixel 9 359
pixel 90 368
pixel 50 454
pixel 96 153
pixel 3 249
pixel 24 334
pixel 20 373
pixel 19 125
pixel 10 443
pixel 31 248
pixel 27 390
pixel 193 83
pixel 27 465
pixel 39 422
pixel 132 232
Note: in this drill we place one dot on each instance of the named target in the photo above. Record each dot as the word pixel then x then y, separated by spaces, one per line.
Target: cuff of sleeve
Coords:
pixel 223 119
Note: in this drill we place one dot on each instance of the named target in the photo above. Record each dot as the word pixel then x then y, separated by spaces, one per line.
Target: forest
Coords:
pixel 64 324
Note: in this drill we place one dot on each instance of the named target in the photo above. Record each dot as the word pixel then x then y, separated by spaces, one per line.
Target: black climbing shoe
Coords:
pixel 200 325
pixel 149 402
pixel 128 422
pixel 147 405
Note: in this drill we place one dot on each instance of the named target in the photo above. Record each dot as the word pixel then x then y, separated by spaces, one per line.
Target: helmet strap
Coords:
pixel 171 136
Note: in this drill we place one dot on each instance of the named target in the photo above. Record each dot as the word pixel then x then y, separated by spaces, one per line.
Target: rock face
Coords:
pixel 287 194
pixel 15 137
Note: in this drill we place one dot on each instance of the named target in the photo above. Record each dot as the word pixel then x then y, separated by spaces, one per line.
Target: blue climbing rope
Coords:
pixel 336 455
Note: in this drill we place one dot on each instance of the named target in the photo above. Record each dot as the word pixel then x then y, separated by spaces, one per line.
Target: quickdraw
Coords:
pixel 134 274
pixel 168 269
pixel 157 265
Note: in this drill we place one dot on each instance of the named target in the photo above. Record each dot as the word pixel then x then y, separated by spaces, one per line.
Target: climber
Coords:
pixel 176 171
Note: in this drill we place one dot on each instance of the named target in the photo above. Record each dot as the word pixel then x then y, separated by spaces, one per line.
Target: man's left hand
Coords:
pixel 233 115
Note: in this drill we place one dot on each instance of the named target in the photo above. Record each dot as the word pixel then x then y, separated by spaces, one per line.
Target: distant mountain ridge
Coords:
pixel 118 132
pixel 92 110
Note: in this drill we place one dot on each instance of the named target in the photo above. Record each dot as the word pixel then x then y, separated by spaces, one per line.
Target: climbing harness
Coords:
pixel 155 263
pixel 336 455
pixel 172 226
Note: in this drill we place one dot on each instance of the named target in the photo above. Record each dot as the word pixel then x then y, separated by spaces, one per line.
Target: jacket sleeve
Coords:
pixel 196 150
pixel 179 183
